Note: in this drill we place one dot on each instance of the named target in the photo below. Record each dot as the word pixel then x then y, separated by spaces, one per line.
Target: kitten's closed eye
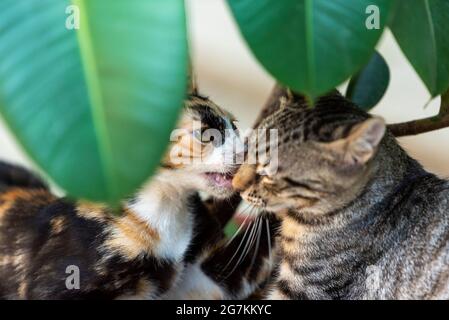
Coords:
pixel 310 185
pixel 198 135
pixel 295 183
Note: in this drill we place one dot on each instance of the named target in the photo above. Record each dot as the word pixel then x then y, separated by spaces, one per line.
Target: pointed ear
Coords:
pixel 363 140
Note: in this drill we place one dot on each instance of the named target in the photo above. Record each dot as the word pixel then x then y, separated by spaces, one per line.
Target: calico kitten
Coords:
pixel 160 247
pixel 360 218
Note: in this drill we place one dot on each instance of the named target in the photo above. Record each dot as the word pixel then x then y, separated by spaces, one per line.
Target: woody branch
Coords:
pixel 440 121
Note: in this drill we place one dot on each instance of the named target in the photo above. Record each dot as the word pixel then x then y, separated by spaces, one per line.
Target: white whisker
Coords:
pixel 247 246
pixel 238 248
pixel 237 232
pixel 270 258
pixel 259 232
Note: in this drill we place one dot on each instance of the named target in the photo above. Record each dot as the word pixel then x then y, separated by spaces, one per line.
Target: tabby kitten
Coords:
pixel 161 246
pixel 360 218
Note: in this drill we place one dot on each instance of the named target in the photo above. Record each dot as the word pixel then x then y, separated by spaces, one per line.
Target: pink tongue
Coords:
pixel 221 180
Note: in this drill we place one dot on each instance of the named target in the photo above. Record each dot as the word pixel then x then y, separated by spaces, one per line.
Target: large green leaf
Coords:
pixel 421 27
pixel 310 45
pixel 369 85
pixel 93 107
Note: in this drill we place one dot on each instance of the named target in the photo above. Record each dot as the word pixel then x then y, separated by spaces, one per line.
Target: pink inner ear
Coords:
pixel 370 131
pixel 364 139
pixel 361 143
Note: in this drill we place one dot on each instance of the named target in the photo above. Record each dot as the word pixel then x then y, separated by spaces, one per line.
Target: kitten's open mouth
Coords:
pixel 222 180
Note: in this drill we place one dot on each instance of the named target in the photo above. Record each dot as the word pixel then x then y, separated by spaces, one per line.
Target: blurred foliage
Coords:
pixel 94 107
pixel 421 28
pixel 231 228
pixel 310 45
pixel 369 85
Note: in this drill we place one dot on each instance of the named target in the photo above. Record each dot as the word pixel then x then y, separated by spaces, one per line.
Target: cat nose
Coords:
pixel 244 177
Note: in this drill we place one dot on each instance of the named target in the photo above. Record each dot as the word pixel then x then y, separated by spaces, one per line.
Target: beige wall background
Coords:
pixel 230 75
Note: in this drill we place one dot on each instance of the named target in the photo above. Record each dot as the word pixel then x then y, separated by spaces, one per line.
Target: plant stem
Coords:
pixel 415 127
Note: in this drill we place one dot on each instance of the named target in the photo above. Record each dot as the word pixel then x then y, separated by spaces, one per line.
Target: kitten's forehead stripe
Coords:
pixel 320 123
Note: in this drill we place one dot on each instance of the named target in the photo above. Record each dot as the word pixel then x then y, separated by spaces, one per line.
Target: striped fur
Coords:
pixel 360 218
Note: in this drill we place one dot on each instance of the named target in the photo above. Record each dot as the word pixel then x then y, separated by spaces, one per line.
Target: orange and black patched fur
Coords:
pixel 167 243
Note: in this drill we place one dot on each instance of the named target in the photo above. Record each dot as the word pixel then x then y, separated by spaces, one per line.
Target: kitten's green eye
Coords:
pixel 207 135
pixel 198 135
